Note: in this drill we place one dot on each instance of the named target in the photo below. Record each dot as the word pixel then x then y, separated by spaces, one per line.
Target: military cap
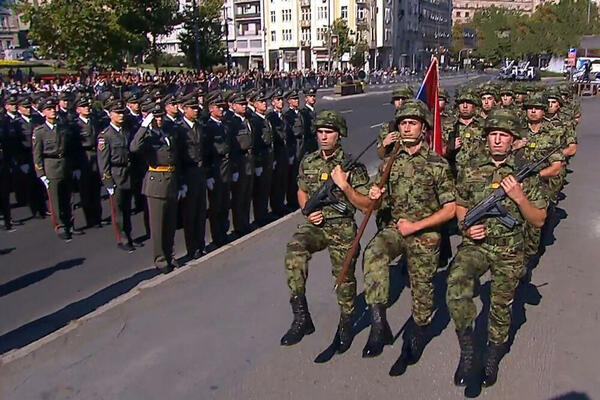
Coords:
pixel 443 94
pixel 261 95
pixel 536 100
pixel 216 99
pixel 249 94
pixel 25 101
pixel 116 106
pixel 104 97
pixel 65 96
pixel 277 94
pixel 237 98
pixel 403 92
pixel 200 91
pixel 169 99
pixel 468 95
pixel 555 94
pixel 227 95
pixel 193 103
pixel 132 97
pixel 503 120
pixel 292 94
pixel 37 97
pixel 184 98
pixel 49 102
pixel 414 108
pixel 83 101
pixel 332 119
pixel 13 99
pixel 155 108
pixel 310 91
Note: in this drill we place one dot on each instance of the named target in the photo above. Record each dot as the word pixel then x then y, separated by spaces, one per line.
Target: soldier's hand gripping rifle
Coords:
pixel 491 206
pixel 386 173
pixel 325 196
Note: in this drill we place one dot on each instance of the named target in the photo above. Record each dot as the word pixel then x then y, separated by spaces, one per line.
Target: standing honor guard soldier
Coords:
pixel 281 159
pixel 309 114
pixel 295 145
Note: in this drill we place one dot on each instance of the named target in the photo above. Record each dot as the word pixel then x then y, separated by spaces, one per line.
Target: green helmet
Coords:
pixel 519 88
pixel 555 94
pixel 504 120
pixel 443 94
pixel 332 119
pixel 488 89
pixel 413 108
pixel 506 89
pixel 403 92
pixel 536 100
pixel 468 95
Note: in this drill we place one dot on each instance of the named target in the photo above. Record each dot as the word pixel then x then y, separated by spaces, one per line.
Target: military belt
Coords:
pixel 162 168
pixel 88 148
pixel 501 241
pixel 55 156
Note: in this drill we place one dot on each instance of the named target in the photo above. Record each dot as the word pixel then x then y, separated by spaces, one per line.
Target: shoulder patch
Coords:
pixel 101 143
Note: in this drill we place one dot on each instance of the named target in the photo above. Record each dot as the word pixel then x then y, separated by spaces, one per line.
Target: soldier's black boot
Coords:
pixel 416 343
pixel 302 323
pixel 380 334
pixel 344 333
pixel 493 356
pixel 465 371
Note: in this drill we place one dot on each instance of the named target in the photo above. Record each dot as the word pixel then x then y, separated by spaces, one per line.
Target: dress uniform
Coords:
pixel 294 124
pixel 131 123
pixel 308 115
pixel 114 163
pixel 280 153
pixel 161 151
pixel 5 163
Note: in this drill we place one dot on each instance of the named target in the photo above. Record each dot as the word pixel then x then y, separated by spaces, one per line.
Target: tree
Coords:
pixel 345 43
pixel 358 58
pixel 210 34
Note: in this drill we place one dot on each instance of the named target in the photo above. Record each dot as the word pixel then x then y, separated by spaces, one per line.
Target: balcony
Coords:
pixel 305 23
pixel 240 17
pixel 304 3
pixel 305 43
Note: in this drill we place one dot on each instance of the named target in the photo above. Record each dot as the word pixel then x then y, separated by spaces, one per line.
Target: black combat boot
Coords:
pixel 302 323
pixel 465 371
pixel 416 343
pixel 493 356
pixel 380 334
pixel 344 334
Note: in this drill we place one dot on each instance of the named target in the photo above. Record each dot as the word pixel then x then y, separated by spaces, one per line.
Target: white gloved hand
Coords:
pixel 235 176
pixel 258 171
pixel 77 174
pixel 210 183
pixel 25 168
pixel 182 192
pixel 148 120
pixel 45 181
pixel 291 160
pixel 274 164
pixel 110 190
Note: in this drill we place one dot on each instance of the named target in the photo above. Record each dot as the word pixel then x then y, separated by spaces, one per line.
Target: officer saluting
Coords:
pixel 113 159
pixel 161 186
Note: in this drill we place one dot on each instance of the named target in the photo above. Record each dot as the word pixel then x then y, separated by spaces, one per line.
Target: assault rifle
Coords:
pixel 325 196
pixel 491 206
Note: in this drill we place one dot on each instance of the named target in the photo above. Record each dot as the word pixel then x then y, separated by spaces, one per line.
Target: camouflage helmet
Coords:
pixel 332 119
pixel 504 120
pixel 443 94
pixel 402 92
pixel 519 89
pixel 506 89
pixel 555 94
pixel 489 89
pixel 413 108
pixel 469 96
pixel 536 100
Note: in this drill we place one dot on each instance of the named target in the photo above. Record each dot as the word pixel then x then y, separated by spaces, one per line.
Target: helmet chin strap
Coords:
pixel 413 142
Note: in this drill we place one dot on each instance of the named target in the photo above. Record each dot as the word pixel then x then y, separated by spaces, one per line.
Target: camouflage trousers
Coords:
pixel 532 237
pixel 472 261
pixel 336 235
pixel 422 253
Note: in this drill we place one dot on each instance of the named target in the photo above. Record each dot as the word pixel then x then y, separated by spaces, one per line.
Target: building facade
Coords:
pixel 13 32
pixel 464 10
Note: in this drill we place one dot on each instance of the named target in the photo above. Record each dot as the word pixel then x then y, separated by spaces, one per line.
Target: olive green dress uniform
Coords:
pixel 161 151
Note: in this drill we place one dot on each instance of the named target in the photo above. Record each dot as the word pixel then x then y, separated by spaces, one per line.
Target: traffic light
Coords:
pixel 334 40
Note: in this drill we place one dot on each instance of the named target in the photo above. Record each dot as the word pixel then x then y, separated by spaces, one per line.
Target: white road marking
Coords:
pixel 345 111
pixel 376 125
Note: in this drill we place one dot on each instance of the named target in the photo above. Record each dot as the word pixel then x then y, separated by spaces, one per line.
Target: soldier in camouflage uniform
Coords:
pixel 325 228
pixel 489 99
pixel 489 245
pixel 520 92
pixel 507 97
pixel 560 119
pixel 420 192
pixel 388 135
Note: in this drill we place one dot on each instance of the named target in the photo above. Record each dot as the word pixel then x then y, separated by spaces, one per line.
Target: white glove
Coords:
pixel 25 168
pixel 210 183
pixel 77 174
pixel 110 190
pixel 274 164
pixel 235 176
pixel 45 181
pixel 148 120
pixel 182 192
pixel 291 160
pixel 258 171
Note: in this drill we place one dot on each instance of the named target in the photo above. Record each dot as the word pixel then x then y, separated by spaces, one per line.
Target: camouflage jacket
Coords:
pixel 479 179
pixel 314 171
pixel 386 127
pixel 473 140
pixel 541 143
pixel 566 125
pixel 418 185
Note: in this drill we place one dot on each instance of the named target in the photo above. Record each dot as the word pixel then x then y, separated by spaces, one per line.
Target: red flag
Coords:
pixel 428 93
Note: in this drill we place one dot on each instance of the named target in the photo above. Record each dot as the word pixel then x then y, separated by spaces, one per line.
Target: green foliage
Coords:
pixel 358 58
pixel 345 43
pixel 210 34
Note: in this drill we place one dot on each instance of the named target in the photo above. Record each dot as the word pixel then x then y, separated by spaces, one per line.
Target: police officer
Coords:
pixel 115 166
pixel 263 162
pixel 280 153
pixel 162 184
pixel 421 197
pixel 194 165
pixel 308 115
pixel 295 130
pixel 325 228
pixel 388 134
pixel 55 157
pixel 219 143
pixel 489 245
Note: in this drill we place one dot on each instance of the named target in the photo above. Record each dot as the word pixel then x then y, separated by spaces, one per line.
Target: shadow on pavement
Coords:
pixel 572 396
pixel 37 276
pixel 44 326
pixel 7 250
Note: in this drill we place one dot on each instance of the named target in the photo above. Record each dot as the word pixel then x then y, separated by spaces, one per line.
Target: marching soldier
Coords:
pixel 194 165
pixel 489 98
pixel 490 245
pixel 295 145
pixel 326 228
pixel 161 150
pixel 309 114
pixel 560 120
pixel 219 144
pixel 388 134
pixel 243 165
pixel 507 97
pixel 114 163
pixel 55 155
pixel 281 159
pixel 263 163
pixel 421 198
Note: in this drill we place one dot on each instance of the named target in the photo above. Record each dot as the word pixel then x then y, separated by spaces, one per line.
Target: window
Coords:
pixel 361 14
pixel 466 13
pixel 273 18
pixel 273 36
pixel 458 13
pixel 286 35
pixel 306 34
pixel 306 14
pixel 322 13
pixel 286 15
pixel 321 33
pixel 344 12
